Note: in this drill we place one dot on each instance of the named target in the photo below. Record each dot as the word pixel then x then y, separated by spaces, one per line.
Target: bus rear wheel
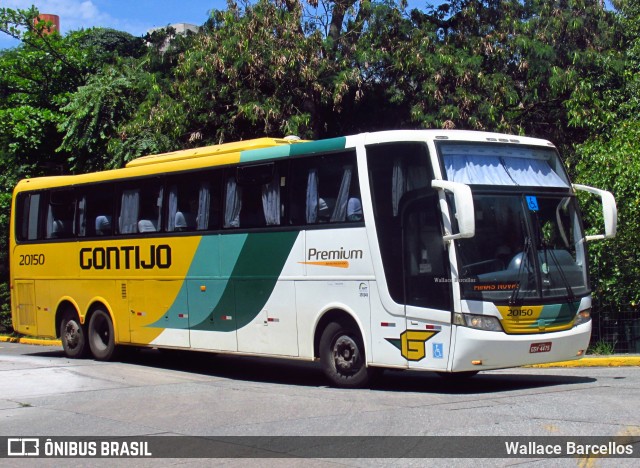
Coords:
pixel 101 336
pixel 342 356
pixel 72 335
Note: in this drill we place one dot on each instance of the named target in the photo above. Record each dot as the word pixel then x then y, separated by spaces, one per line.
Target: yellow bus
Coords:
pixel 445 251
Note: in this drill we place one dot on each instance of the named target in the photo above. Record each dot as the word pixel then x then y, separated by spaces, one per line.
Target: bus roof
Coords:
pixel 250 151
pixel 184 160
pixel 214 150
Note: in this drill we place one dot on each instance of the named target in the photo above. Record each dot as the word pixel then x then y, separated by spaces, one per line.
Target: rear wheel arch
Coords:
pixel 333 315
pixel 71 331
pixel 340 345
pixel 65 307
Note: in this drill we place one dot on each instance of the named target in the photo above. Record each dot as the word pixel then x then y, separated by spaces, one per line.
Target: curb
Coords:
pixel 31 341
pixel 600 361
pixel 603 361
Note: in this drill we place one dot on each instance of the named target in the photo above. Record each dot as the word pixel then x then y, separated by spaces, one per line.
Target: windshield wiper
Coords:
pixel 570 295
pixel 526 250
pixel 549 252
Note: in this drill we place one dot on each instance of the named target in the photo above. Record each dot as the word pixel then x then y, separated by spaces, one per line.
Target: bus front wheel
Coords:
pixel 101 337
pixel 72 335
pixel 342 356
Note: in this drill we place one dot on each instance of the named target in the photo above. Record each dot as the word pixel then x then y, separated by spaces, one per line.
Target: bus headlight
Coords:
pixel 479 322
pixel 582 317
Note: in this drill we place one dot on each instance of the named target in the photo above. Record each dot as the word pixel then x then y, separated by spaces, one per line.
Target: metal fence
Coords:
pixel 616 326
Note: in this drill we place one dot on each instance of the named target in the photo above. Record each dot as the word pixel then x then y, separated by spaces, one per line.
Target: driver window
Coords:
pixel 427 280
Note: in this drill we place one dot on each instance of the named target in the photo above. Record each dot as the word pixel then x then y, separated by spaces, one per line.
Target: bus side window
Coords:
pixel 182 206
pixel 141 208
pixel 60 215
pixel 329 187
pixel 28 208
pixel 129 209
pixel 253 196
pixel 95 209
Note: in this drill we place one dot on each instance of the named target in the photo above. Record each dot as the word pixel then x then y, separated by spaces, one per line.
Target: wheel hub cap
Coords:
pixel 345 353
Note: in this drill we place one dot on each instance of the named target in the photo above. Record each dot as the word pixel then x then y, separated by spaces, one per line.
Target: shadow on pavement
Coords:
pixel 309 374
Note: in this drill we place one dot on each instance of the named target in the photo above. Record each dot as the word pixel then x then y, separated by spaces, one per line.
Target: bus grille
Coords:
pixel 538 319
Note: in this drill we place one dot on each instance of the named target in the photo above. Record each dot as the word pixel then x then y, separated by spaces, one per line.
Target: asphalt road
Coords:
pixel 43 393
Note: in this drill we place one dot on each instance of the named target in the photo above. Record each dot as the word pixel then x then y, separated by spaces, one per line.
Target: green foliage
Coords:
pixel 602 348
pixel 613 164
pixel 95 111
pixel 5 309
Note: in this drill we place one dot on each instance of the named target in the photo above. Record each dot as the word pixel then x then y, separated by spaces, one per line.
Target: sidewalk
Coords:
pixel 614 360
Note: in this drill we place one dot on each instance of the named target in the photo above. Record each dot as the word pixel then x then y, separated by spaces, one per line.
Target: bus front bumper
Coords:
pixel 478 350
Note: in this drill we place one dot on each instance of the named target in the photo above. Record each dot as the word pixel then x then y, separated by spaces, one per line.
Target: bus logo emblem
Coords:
pixel 412 343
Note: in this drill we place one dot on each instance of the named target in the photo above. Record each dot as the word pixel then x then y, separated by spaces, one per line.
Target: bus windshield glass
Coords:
pixel 528 243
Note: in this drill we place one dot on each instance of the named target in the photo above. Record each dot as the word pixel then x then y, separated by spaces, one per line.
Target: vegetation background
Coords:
pixel 564 70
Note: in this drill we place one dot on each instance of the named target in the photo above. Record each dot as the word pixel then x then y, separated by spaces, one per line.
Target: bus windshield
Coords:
pixel 526 247
pixel 528 243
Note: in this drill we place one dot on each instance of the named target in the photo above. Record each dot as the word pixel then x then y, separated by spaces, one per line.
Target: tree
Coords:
pixel 95 112
pixel 609 159
pixel 37 79
pixel 612 163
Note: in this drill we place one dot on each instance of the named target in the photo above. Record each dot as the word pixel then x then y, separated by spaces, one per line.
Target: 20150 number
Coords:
pixel 32 260
pixel 520 313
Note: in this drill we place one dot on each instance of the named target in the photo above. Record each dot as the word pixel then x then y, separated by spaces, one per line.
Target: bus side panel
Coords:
pixel 33 268
pixel 212 315
pixel 159 313
pixel 274 329
pixel 427 342
pixel 24 307
pixel 265 293
pixel 386 329
pixel 315 298
pixel 338 271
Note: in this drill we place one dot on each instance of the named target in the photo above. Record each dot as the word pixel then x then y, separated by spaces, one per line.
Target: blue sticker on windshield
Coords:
pixel 532 202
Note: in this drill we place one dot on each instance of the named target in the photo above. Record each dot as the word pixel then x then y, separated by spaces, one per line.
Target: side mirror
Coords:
pixel 609 211
pixel 464 208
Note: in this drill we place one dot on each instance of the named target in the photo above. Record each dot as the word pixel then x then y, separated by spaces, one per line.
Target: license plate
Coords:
pixel 540 347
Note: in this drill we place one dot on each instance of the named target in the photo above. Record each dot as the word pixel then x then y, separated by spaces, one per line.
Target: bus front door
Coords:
pixel 427 286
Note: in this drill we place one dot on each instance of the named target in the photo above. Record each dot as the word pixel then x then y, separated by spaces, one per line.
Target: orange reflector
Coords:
pixel 580 353
pixel 203 288
pixel 476 363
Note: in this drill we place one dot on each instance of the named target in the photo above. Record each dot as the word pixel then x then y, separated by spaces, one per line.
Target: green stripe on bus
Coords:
pixel 557 314
pixel 296 149
pixel 238 286
pixel 264 153
pixel 255 275
pixel 320 146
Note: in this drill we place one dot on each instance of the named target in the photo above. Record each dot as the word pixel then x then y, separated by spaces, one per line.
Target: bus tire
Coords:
pixel 101 336
pixel 73 336
pixel 342 356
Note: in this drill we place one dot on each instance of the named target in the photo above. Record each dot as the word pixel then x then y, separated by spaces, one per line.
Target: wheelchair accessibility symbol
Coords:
pixel 438 351
pixel 532 202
